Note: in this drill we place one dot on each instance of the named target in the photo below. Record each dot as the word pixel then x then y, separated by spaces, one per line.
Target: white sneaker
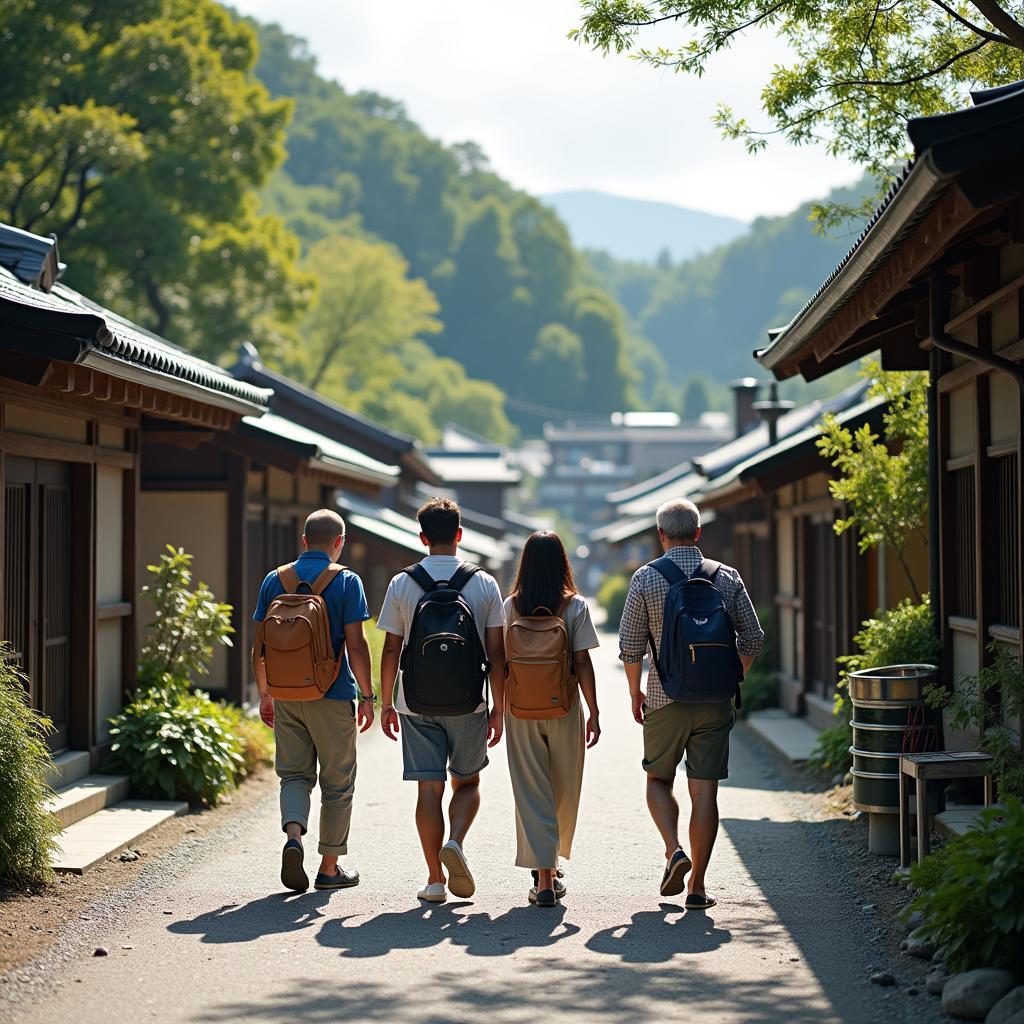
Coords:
pixel 433 892
pixel 460 878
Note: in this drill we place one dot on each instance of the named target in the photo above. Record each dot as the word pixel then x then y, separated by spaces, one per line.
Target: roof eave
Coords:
pixel 921 183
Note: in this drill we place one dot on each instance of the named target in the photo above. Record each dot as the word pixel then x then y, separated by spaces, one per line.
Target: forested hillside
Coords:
pixel 706 315
pixel 511 304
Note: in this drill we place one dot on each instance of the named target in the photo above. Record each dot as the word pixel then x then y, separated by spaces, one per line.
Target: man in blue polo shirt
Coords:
pixel 324 731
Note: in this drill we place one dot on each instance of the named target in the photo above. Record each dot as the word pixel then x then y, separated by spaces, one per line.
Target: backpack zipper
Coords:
pixel 693 650
pixel 442 636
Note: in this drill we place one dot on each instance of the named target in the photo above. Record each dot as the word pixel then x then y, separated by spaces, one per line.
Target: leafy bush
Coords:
pixel 761 684
pixel 256 739
pixel 612 598
pixel 982 702
pixel 186 626
pixel 902 635
pixel 971 893
pixel 375 638
pixel 27 828
pixel 176 745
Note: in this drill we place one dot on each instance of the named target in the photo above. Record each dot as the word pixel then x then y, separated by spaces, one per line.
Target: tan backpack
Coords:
pixel 541 682
pixel 294 639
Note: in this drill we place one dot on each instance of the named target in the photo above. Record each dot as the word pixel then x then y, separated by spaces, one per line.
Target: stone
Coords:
pixel 1017 1018
pixel 848 779
pixel 127 856
pixel 913 991
pixel 919 945
pixel 972 994
pixel 883 978
pixel 1010 1006
pixel 935 981
pixel 100 951
pixel 913 921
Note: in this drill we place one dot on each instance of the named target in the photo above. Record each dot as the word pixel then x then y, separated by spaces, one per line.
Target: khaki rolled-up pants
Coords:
pixel 309 732
pixel 545 761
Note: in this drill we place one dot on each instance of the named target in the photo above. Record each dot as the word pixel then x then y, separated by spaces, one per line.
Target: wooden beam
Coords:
pixel 29 446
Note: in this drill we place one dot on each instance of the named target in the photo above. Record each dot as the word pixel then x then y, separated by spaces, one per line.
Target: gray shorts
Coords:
pixel 433 745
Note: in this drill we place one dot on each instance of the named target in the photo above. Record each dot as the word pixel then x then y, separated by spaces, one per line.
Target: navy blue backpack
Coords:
pixel 698 662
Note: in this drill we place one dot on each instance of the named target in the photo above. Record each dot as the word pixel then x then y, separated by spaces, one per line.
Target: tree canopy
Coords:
pixel 137 132
pixel 860 68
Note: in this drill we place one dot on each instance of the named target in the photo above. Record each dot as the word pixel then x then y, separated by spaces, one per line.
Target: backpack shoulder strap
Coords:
pixel 463 575
pixel 289 577
pixel 667 568
pixel 707 569
pixel 420 576
pixel 326 578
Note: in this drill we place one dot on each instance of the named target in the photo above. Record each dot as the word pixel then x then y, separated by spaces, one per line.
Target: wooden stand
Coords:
pixel 940 764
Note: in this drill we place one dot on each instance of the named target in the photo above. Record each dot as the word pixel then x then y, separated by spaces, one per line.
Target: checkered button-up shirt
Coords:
pixel 644 613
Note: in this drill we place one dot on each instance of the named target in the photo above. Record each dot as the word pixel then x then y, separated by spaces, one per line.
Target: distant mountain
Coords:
pixel 636 229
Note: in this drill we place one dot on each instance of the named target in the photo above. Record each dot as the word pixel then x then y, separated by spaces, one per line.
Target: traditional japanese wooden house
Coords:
pixel 936 282
pixel 79 389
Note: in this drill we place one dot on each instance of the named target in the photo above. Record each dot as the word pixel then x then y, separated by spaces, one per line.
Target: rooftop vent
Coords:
pixel 744 393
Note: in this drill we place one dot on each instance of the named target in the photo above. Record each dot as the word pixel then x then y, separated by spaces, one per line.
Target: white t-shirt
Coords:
pixel 481 593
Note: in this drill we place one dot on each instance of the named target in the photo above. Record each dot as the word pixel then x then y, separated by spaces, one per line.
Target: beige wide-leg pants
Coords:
pixel 545 760
pixel 308 732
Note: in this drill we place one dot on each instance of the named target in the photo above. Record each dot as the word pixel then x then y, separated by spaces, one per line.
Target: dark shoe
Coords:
pixel 544 898
pixel 560 888
pixel 673 881
pixel 700 901
pixel 293 875
pixel 342 880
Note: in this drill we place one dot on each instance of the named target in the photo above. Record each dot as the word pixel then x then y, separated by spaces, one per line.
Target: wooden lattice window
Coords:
pixel 1007 536
pixel 962 596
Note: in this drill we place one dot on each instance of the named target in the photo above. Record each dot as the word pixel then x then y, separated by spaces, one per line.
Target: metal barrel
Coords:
pixel 889 719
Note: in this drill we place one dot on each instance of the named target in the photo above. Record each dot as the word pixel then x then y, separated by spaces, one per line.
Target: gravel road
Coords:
pixel 206 935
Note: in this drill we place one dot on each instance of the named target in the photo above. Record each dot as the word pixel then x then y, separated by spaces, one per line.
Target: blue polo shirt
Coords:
pixel 346 603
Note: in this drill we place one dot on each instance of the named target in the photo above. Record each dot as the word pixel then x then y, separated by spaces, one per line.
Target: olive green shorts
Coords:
pixel 698 733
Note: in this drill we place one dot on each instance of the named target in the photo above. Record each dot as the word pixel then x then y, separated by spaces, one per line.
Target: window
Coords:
pixel 961 573
pixel 1007 532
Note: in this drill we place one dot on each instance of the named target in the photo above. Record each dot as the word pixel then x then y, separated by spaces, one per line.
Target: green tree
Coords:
pixel 367 305
pixel 137 133
pixel 598 321
pixel 860 68
pixel 557 367
pixel 884 481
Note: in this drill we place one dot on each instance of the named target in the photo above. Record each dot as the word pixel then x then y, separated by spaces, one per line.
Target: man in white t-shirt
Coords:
pixel 434 746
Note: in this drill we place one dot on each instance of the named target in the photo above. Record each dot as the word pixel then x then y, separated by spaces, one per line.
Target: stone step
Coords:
pixel 69 767
pixel 93 839
pixel 791 737
pixel 87 796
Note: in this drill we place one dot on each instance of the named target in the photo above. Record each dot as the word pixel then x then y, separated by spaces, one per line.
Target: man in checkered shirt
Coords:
pixel 674 731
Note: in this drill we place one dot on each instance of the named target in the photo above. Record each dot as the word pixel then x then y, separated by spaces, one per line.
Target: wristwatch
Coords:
pixel 372 697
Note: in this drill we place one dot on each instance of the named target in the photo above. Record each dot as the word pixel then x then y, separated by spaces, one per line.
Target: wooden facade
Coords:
pixel 937 283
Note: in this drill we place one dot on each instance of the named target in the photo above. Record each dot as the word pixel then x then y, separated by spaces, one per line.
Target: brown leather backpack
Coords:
pixel 541 682
pixel 294 639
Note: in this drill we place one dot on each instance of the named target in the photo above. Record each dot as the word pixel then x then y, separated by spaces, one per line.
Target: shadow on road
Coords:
pixel 245 922
pixel 595 994
pixel 651 937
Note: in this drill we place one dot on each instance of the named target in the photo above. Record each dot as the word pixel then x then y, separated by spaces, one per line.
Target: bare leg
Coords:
pixel 293 830
pixel 462 810
pixel 545 879
pixel 664 808
pixel 328 865
pixel 703 829
pixel 430 826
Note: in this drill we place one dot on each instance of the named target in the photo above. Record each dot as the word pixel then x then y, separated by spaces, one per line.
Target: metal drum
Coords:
pixel 889 719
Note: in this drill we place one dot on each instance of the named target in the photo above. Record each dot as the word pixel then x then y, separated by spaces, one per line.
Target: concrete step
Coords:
pixel 87 796
pixel 958 819
pixel 69 767
pixel 791 737
pixel 109 831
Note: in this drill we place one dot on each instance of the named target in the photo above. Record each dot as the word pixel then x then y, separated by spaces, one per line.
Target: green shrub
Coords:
pixel 761 683
pixel 28 830
pixel 187 624
pixel 971 893
pixel 375 638
pixel 176 745
pixel 612 598
pixel 985 702
pixel 256 739
pixel 831 753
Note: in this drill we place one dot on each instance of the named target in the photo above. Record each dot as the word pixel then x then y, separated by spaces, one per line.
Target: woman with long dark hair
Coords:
pixel 549 636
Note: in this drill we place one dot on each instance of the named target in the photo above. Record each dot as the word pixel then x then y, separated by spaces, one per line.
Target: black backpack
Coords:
pixel 444 664
pixel 697 660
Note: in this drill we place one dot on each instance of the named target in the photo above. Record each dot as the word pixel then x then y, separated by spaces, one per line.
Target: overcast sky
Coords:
pixel 552 115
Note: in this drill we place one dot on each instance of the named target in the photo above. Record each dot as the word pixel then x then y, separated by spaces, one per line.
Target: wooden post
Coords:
pixel 238 471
